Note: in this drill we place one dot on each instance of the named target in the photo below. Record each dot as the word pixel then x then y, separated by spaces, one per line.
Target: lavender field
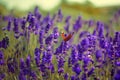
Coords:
pixel 59 47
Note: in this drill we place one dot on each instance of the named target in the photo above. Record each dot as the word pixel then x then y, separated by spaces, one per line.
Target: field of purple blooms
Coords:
pixel 32 48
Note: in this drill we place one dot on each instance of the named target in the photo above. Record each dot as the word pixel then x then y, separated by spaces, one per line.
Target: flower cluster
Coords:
pixel 42 54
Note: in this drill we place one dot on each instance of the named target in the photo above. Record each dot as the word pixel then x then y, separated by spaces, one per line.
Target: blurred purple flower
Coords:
pixel 91 71
pixel 117 75
pixel 16 28
pixel 49 39
pixel 37 52
pixel 37 13
pixel 72 77
pixel 41 35
pixel 90 23
pixel 1 55
pixel 21 76
pixel 2 76
pixel 23 23
pixel 76 68
pixel 98 54
pixel 28 61
pixel 66 76
pixel 118 63
pixel 4 43
pixel 22 64
pixel 60 16
pixel 73 56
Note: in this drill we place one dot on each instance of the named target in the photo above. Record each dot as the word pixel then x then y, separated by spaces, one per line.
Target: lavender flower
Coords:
pixel 23 23
pixel 78 24
pixel 72 77
pixel 22 64
pixel 4 43
pixel 41 35
pixel 47 28
pixel 22 76
pixel 2 76
pixel 98 54
pixel 91 23
pixel 28 60
pixel 91 71
pixel 117 75
pixel 16 29
pixel 73 56
pixel 37 13
pixel 76 68
pixel 60 15
pixel 1 55
pixel 55 34
pixel 49 39
pixel 66 76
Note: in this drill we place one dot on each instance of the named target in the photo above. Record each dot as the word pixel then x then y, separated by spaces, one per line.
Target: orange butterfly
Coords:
pixel 66 38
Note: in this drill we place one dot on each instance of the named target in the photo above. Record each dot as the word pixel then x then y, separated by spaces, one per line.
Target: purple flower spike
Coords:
pixel 117 37
pixel 37 52
pixel 118 63
pixel 2 76
pixel 4 43
pixel 29 17
pixel 102 43
pixel 9 25
pixel 85 43
pixel 100 29
pixel 47 57
pixel 61 62
pixel 28 60
pixel 76 68
pixel 37 61
pixel 37 13
pixel 22 64
pixel 52 68
pixel 86 61
pixel 1 55
pixel 98 54
pixel 46 20
pixel 60 71
pixel 67 19
pixel 33 75
pixel 47 28
pixel 83 34
pixel 42 68
pixel 55 33
pixel 91 71
pixel 72 77
pixel 60 15
pixel 23 23
pixel 91 23
pixel 16 29
pixel 66 76
pixel 22 76
pixel 117 75
pixel 11 67
pixel 41 35
pixel 1 62
pixel 67 27
pixel 74 54
pixel 49 39
pixel 78 24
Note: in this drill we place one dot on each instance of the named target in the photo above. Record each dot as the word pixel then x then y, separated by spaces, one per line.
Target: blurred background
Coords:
pixel 87 8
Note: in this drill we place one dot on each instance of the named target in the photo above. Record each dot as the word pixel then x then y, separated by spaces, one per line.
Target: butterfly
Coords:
pixel 66 38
